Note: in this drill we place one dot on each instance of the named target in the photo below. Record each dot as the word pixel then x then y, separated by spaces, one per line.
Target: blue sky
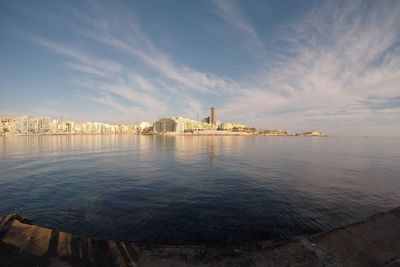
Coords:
pixel 296 65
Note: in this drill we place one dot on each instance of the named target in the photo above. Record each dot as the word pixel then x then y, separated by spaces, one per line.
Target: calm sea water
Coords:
pixel 197 190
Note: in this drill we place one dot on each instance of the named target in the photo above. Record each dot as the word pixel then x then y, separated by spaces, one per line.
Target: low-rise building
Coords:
pixel 228 126
pixel 314 133
pixel 7 126
pixel 180 125
pixel 143 126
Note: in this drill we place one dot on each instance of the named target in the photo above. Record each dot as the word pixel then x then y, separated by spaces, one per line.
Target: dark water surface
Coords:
pixel 197 190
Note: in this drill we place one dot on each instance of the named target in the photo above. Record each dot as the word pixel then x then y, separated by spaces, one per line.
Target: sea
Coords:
pixel 197 190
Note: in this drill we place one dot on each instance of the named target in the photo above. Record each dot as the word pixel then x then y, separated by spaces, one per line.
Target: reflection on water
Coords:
pixel 196 189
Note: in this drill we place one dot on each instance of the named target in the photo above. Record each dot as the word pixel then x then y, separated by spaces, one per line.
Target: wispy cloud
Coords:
pixel 338 58
pixel 84 63
pixel 122 32
pixel 138 45
pixel 143 99
pixel 110 102
pixel 86 69
pixel 230 11
pixel 338 65
pixel 114 78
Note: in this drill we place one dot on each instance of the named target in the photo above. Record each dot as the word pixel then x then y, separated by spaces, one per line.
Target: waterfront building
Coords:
pixel 97 128
pixel 53 126
pixel 67 127
pixel 25 124
pixel 78 127
pixel 7 126
pixel 127 128
pixel 21 124
pixel 274 132
pixel 45 125
pixel 142 126
pixel 213 117
pixel 165 125
pixel 84 127
pixel 42 125
pixel 179 125
pixel 113 129
pixel 227 126
pixel 313 133
pixel 2 126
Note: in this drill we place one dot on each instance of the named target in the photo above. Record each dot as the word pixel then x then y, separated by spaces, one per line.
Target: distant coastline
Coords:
pixel 199 133
pixel 174 126
pixel 229 133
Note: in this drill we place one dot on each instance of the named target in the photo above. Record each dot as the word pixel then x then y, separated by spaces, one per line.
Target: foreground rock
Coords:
pixel 372 242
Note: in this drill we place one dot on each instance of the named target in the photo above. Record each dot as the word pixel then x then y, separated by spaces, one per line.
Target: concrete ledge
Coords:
pixel 374 241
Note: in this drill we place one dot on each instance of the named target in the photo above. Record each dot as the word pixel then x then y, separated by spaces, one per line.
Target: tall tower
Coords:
pixel 213 116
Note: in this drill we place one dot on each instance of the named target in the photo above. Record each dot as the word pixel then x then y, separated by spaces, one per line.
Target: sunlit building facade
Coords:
pixel 213 116
pixel 46 125
pixel 232 126
pixel 179 125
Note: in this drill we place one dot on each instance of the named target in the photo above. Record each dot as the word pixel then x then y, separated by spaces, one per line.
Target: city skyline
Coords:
pixel 332 66
pixel 208 126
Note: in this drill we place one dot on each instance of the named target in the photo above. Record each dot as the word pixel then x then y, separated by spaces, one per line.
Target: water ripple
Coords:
pixel 197 190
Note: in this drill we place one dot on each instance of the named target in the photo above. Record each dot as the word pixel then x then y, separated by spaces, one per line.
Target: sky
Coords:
pixel 332 66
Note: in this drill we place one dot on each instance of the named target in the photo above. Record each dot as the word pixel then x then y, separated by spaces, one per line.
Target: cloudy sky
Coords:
pixel 297 65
